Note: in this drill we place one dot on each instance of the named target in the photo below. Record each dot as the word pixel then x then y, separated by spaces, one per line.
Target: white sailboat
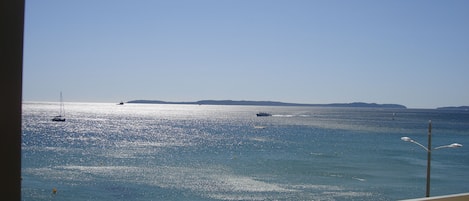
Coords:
pixel 61 116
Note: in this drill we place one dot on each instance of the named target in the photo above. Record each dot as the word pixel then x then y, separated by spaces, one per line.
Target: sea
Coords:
pixel 106 151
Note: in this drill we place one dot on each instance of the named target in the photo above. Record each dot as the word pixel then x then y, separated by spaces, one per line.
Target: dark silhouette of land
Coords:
pixel 272 103
pixel 465 108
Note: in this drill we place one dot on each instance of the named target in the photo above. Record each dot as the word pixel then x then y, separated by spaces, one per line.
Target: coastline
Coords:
pixel 272 103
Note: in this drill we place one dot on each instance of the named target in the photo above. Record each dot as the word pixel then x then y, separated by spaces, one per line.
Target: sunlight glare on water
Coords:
pixel 201 152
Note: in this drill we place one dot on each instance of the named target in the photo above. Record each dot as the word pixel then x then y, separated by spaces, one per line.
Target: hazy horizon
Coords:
pixel 194 101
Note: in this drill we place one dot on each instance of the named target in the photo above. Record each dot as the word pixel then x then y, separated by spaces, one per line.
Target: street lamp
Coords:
pixel 429 152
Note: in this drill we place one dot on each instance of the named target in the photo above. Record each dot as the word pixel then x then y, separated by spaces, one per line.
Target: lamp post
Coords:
pixel 429 152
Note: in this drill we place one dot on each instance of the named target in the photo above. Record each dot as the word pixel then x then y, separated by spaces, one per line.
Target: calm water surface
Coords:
pixel 142 152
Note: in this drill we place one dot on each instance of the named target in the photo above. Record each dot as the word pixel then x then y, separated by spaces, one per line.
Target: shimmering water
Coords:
pixel 106 151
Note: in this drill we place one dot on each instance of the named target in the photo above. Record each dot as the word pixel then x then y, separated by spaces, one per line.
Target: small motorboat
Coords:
pixel 263 114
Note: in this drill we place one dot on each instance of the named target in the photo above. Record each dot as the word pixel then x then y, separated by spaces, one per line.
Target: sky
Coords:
pixel 414 53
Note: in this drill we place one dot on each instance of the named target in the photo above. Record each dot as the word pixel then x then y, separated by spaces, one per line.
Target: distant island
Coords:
pixel 272 103
pixel 465 108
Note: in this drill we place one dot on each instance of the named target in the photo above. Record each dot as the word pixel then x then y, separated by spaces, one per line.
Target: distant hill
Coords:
pixel 272 103
pixel 466 108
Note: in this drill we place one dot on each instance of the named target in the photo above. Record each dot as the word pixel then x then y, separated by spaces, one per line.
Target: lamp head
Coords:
pixel 406 139
pixel 455 145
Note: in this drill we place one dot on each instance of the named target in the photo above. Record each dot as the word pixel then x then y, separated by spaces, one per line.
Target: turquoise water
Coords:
pixel 106 151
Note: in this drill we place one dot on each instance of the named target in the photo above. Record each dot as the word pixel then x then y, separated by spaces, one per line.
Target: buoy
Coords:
pixel 54 191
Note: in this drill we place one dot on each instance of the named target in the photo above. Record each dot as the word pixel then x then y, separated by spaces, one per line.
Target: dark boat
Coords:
pixel 61 116
pixel 58 118
pixel 263 114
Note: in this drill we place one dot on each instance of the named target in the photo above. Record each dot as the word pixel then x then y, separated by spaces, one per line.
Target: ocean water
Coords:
pixel 106 151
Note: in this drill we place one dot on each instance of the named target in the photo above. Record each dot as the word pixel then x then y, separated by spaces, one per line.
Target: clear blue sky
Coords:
pixel 414 53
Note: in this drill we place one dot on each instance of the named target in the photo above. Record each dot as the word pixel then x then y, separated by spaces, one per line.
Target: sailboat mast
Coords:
pixel 62 109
